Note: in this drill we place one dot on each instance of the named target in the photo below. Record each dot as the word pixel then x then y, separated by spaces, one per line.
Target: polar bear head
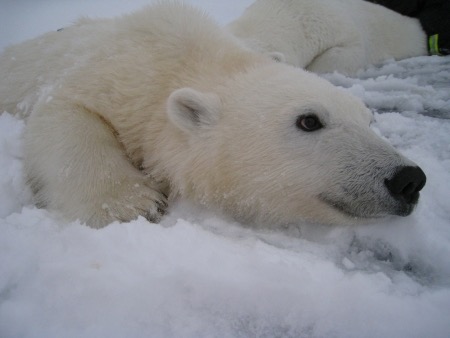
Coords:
pixel 277 144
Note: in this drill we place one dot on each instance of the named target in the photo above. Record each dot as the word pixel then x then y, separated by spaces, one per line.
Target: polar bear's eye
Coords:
pixel 308 122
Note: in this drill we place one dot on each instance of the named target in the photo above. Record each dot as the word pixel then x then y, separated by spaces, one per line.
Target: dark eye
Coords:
pixel 308 123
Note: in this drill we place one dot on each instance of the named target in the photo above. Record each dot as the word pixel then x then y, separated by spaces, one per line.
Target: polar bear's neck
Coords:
pixel 155 52
pixel 183 48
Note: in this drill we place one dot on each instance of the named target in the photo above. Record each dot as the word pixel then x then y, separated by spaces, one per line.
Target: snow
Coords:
pixel 198 274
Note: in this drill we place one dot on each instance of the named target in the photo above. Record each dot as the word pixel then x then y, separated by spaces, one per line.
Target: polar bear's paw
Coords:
pixel 127 201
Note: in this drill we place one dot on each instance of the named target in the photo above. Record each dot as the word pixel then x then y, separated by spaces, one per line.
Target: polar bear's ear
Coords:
pixel 190 109
pixel 277 56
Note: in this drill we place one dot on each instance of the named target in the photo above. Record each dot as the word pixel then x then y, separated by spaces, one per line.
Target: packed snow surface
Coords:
pixel 199 274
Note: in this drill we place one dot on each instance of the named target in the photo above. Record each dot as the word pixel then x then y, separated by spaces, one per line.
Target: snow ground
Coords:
pixel 200 275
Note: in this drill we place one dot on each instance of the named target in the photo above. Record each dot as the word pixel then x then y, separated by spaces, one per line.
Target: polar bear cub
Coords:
pixel 329 35
pixel 122 113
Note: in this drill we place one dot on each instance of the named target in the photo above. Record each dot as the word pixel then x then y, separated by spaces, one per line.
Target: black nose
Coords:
pixel 406 184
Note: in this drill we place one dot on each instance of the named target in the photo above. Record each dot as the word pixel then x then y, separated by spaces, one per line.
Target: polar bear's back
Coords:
pixel 166 30
pixel 34 67
pixel 328 35
pixel 373 34
pixel 385 33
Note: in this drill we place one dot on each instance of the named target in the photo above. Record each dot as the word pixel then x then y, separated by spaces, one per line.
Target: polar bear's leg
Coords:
pixel 343 59
pixel 76 165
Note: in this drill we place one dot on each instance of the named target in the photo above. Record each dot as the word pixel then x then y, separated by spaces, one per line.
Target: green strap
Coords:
pixel 433 44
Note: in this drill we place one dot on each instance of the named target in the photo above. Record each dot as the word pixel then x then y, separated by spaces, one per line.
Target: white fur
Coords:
pixel 124 112
pixel 329 35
